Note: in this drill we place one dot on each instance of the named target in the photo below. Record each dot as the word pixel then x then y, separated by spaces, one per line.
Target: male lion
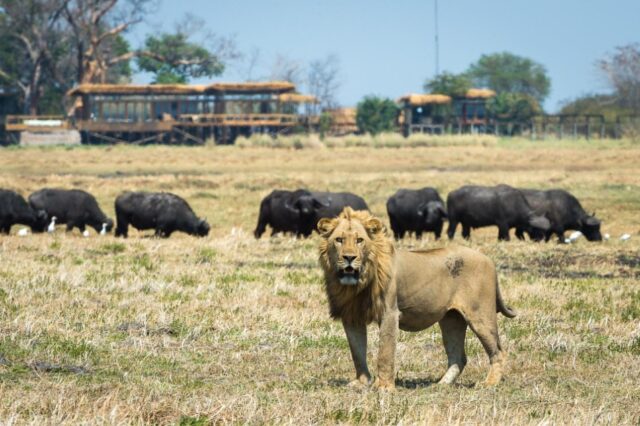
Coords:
pixel 367 280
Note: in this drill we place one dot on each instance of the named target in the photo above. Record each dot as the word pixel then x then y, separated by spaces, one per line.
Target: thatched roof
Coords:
pixel 180 89
pixel 343 116
pixel 416 99
pixel 480 93
pixel 297 98
pixel 257 86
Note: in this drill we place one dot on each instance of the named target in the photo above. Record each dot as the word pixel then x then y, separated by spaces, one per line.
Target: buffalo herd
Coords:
pixel 538 214
pixel 164 212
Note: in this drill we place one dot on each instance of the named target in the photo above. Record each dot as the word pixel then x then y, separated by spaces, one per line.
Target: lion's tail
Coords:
pixel 500 305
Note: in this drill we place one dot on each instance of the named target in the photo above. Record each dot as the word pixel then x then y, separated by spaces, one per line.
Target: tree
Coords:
pixel 513 107
pixel 375 115
pixel 446 83
pixel 506 72
pixel 287 69
pixel 30 38
pixel 622 70
pixel 323 80
pixel 173 59
pixel 97 27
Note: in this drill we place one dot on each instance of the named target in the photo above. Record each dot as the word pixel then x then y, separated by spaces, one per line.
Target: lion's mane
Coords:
pixel 364 302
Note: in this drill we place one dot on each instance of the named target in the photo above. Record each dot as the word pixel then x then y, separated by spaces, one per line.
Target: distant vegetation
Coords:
pixel 376 115
pixel 48 46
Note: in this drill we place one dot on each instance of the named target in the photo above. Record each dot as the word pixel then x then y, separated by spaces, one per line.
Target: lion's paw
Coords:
pixel 361 382
pixel 384 385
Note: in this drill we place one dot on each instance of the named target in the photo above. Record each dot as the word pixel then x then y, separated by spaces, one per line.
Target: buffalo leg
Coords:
pixel 438 231
pixel 451 231
pixel 122 226
pixel 503 232
pixel 520 234
pixel 466 231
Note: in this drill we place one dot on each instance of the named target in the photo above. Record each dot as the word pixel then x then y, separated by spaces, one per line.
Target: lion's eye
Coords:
pixel 339 240
pixel 359 240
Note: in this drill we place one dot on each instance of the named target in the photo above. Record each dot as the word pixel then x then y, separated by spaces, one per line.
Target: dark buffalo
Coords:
pixel 564 213
pixel 276 211
pixel 502 205
pixel 314 206
pixel 419 210
pixel 162 211
pixel 74 207
pixel 14 209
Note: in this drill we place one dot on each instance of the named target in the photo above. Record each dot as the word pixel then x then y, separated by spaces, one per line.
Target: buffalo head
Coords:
pixel 306 205
pixel 41 220
pixel 590 227
pixel 202 229
pixel 432 212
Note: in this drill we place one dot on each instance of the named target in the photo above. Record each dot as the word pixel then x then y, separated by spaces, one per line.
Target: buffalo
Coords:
pixel 276 211
pixel 14 209
pixel 501 205
pixel 313 206
pixel 73 207
pixel 564 213
pixel 162 211
pixel 420 210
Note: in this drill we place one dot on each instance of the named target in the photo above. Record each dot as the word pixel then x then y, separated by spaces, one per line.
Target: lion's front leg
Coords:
pixel 357 337
pixel 387 350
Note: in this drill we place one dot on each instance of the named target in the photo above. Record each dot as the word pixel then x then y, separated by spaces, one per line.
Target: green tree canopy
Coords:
pixel 376 115
pixel 513 106
pixel 446 83
pixel 506 72
pixel 174 59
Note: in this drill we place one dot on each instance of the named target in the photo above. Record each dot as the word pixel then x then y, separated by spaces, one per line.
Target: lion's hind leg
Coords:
pixel 487 332
pixel 454 328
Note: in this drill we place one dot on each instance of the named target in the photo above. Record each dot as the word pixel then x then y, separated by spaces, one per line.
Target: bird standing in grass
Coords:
pixel 52 226
pixel 625 237
pixel 23 232
pixel 85 233
pixel 103 231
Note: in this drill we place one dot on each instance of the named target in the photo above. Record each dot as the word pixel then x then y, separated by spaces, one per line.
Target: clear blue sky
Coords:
pixel 387 47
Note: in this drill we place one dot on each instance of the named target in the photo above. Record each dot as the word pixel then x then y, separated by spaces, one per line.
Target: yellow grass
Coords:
pixel 227 329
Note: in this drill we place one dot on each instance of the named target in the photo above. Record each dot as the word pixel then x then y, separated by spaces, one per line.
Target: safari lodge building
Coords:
pixel 187 114
pixel 437 114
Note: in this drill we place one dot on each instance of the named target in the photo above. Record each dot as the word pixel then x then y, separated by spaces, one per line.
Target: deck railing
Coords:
pixel 36 123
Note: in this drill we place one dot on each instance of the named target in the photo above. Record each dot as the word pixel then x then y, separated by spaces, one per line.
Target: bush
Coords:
pixel 376 115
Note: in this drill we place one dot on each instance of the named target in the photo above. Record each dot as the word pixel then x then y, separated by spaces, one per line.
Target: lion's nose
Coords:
pixel 349 259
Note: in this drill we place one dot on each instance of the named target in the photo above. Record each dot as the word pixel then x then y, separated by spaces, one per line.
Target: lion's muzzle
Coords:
pixel 348 272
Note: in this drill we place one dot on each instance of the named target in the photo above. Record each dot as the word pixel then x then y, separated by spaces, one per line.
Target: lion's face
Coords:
pixel 348 246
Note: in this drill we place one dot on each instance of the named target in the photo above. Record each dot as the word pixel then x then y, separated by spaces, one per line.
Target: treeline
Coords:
pixel 48 46
pixel 521 86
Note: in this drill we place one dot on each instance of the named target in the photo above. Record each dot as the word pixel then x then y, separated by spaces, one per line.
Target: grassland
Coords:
pixel 230 329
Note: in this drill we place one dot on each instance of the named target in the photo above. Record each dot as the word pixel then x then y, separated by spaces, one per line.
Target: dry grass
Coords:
pixel 385 140
pixel 232 330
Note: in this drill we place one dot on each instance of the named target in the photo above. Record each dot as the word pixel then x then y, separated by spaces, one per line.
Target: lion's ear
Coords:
pixel 374 226
pixel 326 226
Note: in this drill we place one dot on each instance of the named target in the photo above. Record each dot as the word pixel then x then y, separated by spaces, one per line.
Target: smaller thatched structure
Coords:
pixel 419 99
pixel 343 120
pixel 480 94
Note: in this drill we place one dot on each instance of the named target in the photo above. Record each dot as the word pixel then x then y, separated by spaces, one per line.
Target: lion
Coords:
pixel 367 281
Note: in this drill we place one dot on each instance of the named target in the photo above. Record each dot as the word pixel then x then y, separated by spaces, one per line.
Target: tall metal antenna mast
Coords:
pixel 437 42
